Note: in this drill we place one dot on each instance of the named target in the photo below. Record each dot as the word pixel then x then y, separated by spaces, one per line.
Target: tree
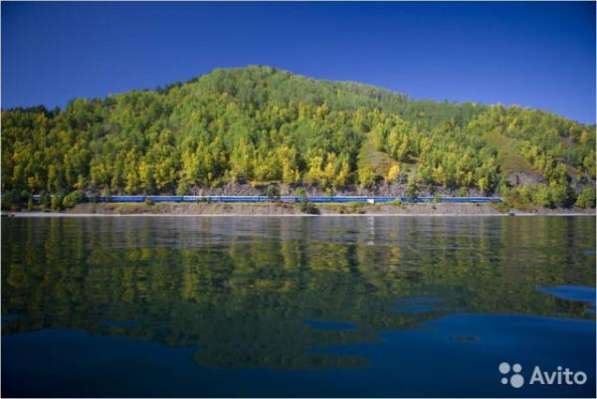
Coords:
pixel 72 199
pixel 56 202
pixel 273 191
pixel 146 177
pixel 366 176
pixel 341 172
pixel 44 200
pixel 586 198
pixel 315 173
pixel 11 200
pixel 393 173
pixel 412 187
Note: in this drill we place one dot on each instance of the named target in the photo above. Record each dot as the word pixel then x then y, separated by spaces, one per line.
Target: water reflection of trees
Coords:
pixel 243 298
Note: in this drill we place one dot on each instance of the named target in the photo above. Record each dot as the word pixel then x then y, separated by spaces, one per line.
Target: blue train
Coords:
pixel 260 198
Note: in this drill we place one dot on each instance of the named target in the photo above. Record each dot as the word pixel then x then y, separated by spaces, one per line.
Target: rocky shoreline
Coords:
pixel 284 209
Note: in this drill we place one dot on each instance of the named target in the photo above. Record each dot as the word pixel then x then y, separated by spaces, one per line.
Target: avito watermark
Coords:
pixel 512 374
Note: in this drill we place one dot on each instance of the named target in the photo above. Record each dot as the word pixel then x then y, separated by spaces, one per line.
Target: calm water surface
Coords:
pixel 266 306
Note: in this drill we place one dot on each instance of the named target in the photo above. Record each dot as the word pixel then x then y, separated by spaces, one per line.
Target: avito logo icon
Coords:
pixel 516 380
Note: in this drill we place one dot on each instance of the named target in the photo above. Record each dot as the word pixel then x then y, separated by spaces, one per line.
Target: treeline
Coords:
pixel 259 125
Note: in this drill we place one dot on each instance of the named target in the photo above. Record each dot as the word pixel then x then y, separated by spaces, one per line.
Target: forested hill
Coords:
pixel 259 126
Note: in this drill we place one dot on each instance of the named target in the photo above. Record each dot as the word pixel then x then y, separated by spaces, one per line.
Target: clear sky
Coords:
pixel 533 54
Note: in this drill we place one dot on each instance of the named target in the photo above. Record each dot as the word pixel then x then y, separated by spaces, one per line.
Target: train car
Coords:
pixel 384 199
pixel 122 198
pixel 165 198
pixel 336 199
pixel 471 199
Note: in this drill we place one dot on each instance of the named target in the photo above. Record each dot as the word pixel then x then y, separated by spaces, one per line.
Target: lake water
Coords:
pixel 296 306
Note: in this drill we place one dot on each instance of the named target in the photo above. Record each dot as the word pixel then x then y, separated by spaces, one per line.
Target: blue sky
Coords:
pixel 533 54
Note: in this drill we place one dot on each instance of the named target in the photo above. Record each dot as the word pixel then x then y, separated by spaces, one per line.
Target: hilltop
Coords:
pixel 257 127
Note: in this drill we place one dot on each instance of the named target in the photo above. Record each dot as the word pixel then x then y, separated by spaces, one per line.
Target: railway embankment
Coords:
pixel 293 209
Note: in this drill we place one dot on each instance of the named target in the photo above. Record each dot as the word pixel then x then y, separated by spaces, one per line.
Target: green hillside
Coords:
pixel 259 125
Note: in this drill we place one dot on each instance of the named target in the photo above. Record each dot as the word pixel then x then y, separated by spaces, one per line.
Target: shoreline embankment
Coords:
pixel 284 209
